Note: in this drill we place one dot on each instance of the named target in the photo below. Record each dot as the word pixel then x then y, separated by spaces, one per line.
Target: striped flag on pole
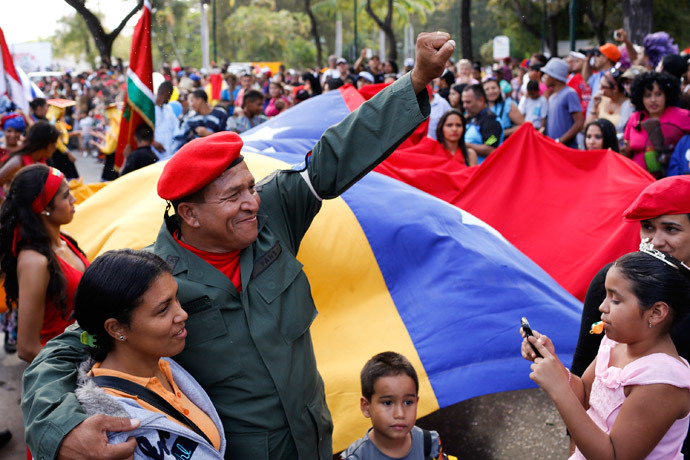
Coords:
pixel 10 83
pixel 139 99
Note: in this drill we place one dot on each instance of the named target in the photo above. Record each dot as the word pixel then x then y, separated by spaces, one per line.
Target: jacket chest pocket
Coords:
pixel 209 353
pixel 284 290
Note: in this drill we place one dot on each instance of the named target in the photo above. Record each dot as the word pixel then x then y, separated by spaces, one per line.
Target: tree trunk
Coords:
pixel 87 50
pixel 466 29
pixel 598 24
pixel 552 34
pixel 104 41
pixel 387 27
pixel 314 33
pixel 524 15
pixel 638 18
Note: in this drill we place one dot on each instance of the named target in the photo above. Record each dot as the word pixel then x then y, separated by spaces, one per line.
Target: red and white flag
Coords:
pixel 10 83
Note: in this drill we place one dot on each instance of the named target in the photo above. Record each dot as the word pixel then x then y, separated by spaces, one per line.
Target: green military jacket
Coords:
pixel 251 351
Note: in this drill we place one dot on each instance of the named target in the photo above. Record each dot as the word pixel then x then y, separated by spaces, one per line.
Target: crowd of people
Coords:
pixel 198 279
pixel 570 100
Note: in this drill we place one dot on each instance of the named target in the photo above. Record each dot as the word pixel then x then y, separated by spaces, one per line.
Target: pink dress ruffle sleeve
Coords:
pixel 607 395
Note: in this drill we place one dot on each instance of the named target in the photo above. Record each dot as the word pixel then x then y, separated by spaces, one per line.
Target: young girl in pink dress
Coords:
pixel 633 401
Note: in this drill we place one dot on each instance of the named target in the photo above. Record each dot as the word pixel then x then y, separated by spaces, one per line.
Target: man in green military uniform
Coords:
pixel 231 245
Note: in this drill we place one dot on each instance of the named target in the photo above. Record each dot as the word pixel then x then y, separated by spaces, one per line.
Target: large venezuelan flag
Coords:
pixel 391 268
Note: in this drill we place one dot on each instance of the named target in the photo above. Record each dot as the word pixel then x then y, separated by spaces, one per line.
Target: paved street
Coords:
pixel 517 425
pixel 11 369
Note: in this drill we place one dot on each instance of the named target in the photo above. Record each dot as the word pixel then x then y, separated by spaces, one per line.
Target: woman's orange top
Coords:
pixel 176 398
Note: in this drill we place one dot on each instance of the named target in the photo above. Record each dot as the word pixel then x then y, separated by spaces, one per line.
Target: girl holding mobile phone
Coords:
pixel 634 400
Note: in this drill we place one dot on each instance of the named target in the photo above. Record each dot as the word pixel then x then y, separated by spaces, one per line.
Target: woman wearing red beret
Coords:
pixel 663 210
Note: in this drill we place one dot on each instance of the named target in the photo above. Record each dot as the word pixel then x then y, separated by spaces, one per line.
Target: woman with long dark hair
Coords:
pixel 127 304
pixel 611 103
pixel 506 110
pixel 312 85
pixel 450 133
pixel 42 266
pixel 601 134
pixel 39 145
pixel 455 96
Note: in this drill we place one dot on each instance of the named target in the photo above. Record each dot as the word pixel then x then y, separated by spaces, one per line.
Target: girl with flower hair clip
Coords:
pixel 633 401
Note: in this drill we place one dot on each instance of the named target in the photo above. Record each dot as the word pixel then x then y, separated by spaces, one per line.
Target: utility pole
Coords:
pixel 354 51
pixel 543 28
pixel 215 37
pixel 205 63
pixel 573 15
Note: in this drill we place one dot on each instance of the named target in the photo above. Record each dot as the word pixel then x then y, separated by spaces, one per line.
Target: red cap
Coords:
pixel 198 163
pixel 670 195
pixel 611 51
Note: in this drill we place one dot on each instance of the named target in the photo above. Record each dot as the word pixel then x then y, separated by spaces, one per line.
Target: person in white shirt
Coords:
pixel 166 122
pixel 534 107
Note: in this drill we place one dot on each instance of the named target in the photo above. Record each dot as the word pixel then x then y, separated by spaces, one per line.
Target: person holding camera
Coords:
pixel 605 58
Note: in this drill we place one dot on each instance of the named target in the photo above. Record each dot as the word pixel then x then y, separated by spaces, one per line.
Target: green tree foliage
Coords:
pixel 392 15
pixel 673 16
pixel 281 29
pixel 174 21
pixel 72 38
pixel 260 33
pixel 446 16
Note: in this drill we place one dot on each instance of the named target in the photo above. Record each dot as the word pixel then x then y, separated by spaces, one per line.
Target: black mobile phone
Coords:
pixel 524 324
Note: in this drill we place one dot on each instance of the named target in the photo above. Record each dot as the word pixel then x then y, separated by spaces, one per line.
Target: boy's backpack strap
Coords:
pixel 427 444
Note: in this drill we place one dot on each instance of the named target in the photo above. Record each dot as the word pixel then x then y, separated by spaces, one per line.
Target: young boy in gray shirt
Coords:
pixel 389 398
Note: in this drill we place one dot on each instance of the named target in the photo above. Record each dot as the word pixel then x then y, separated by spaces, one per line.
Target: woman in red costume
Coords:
pixel 42 266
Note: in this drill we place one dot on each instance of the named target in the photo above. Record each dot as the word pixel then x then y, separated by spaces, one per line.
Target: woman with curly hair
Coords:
pixel 654 95
pixel 450 133
pixel 42 266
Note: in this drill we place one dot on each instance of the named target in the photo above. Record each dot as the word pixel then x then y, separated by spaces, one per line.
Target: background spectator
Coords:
pixel 565 118
pixel 601 134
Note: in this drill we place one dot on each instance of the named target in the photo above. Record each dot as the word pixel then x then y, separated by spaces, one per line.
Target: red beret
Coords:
pixel 198 163
pixel 670 195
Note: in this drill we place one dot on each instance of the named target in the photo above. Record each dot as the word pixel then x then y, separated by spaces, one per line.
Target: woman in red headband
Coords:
pixel 42 266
